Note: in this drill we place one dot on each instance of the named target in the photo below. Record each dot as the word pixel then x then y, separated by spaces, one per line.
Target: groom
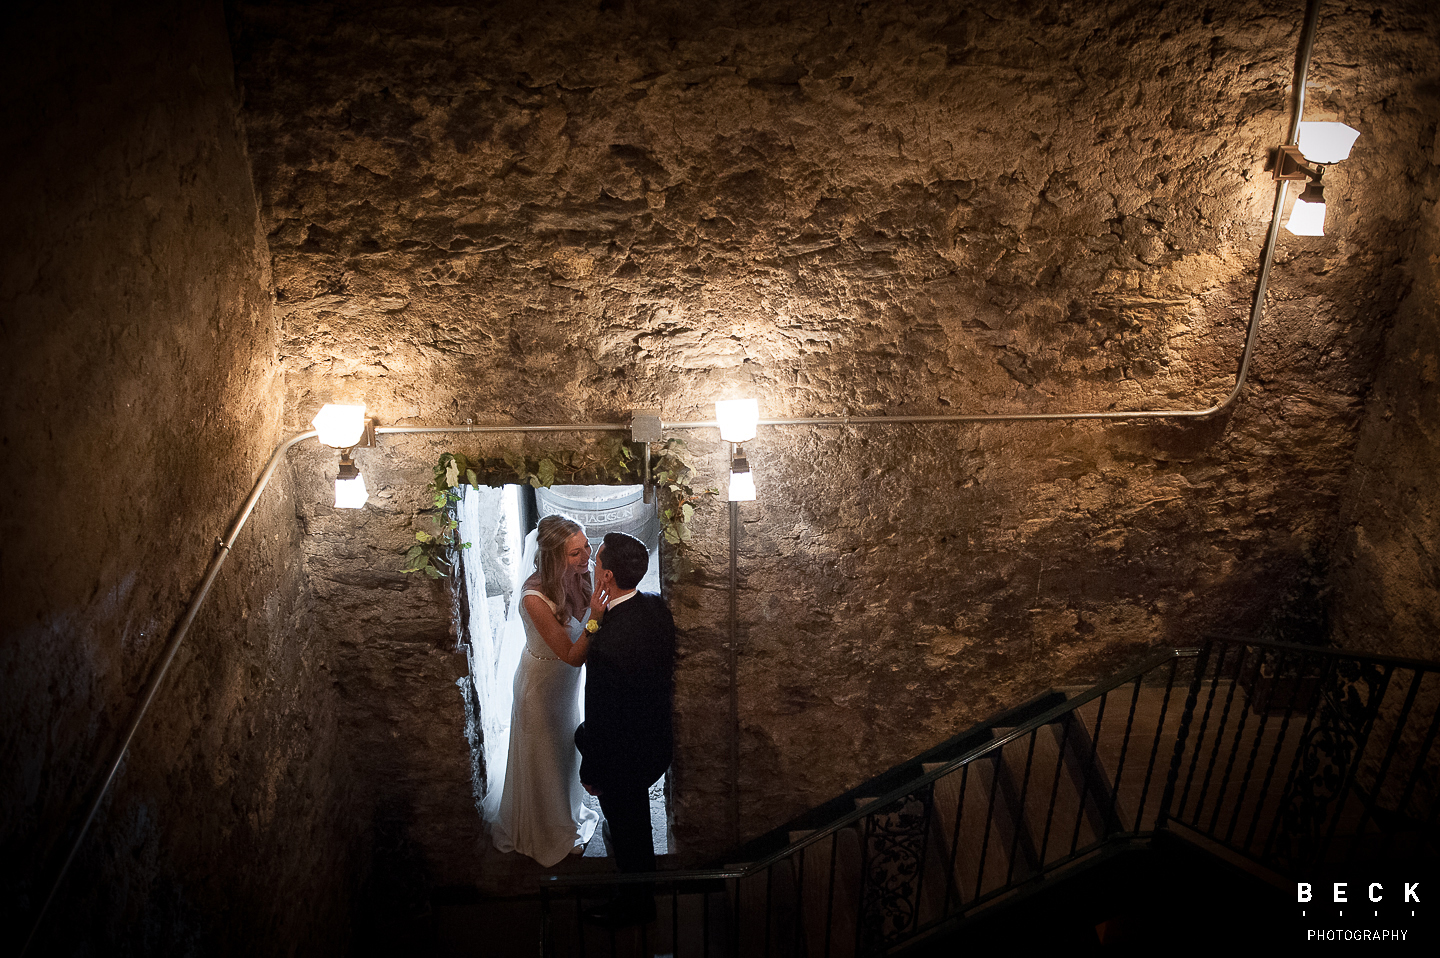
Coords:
pixel 626 738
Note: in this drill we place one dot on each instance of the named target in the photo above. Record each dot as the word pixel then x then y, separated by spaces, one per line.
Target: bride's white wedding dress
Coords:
pixel 542 811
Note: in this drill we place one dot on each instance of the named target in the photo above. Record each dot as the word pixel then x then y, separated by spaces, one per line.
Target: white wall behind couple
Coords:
pixel 501 556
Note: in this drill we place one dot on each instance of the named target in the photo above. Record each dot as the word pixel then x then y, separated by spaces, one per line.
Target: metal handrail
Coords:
pixel 851 817
pixel 1235 736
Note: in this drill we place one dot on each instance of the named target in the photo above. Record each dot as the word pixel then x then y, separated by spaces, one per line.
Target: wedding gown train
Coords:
pixel 542 811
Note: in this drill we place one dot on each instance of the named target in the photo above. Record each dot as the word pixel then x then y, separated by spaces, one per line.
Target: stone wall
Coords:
pixel 141 400
pixel 1386 583
pixel 554 212
pixel 397 661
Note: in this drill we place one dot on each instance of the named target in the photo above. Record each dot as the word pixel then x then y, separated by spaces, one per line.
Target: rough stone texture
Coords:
pixel 397 662
pixel 1386 583
pixel 533 212
pixel 140 401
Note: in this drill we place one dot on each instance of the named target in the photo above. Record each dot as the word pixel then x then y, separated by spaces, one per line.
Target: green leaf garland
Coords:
pixel 614 463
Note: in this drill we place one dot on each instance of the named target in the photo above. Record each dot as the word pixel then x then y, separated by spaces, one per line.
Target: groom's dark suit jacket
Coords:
pixel 627 736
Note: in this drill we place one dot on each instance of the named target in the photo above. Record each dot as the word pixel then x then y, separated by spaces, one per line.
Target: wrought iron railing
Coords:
pixel 1290 756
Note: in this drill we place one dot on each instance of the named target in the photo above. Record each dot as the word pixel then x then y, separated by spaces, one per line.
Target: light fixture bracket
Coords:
pixel 1288 163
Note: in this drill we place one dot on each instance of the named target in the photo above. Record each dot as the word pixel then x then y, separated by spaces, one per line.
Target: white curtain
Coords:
pixel 498 697
pixel 495 643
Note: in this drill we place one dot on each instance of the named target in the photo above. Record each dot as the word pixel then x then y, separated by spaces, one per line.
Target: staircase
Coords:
pixel 1275 757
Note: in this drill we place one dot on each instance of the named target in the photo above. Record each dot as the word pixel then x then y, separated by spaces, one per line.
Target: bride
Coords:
pixel 542 811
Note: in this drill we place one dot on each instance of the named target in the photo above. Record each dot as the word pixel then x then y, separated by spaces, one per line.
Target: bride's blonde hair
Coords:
pixel 550 561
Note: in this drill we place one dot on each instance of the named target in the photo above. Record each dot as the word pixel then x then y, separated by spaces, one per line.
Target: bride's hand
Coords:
pixel 598 598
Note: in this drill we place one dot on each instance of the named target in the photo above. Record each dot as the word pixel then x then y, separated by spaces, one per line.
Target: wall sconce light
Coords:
pixel 737 419
pixel 350 491
pixel 1317 143
pixel 742 480
pixel 343 426
pixel 1326 142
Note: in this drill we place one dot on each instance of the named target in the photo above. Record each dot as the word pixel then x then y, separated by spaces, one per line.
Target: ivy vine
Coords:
pixel 612 461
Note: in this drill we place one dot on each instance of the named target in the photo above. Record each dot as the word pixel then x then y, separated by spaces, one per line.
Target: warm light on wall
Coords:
pixel 737 419
pixel 340 426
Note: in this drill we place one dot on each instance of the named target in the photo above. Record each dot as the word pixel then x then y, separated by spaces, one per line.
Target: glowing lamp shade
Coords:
pixel 1325 142
pixel 737 419
pixel 1307 218
pixel 340 426
pixel 351 493
pixel 742 486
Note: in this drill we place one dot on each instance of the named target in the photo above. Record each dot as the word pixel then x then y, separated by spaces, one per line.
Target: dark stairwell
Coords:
pixel 1190 792
pixel 221 215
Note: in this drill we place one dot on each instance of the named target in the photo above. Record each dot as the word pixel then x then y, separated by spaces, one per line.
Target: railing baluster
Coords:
pixel 989 821
pixel 800 932
pixel 1325 680
pixel 1189 710
pixel 1198 745
pixel 1086 774
pixel 1124 750
pixel 1279 744
pixel 1415 773
pixel 1400 722
pixel 1023 823
pixel 1054 788
pixel 1220 732
pixel 927 806
pixel 769 900
pixel 1373 710
pixel 705 924
pixel 952 886
pixel 735 919
pixel 866 834
pixel 1235 745
pixel 830 897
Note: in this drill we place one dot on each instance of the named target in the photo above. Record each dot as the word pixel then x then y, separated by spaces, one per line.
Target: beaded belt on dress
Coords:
pixel 542 658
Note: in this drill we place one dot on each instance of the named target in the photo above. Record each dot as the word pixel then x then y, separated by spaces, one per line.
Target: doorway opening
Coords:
pixel 500 524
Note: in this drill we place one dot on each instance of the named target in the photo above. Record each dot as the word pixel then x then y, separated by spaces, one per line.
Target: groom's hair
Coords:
pixel 626 558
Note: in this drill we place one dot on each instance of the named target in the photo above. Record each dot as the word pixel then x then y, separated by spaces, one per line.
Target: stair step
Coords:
pixel 905 881
pixel 771 896
pixel 1067 797
pixel 980 844
pixel 1238 804
pixel 829 879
